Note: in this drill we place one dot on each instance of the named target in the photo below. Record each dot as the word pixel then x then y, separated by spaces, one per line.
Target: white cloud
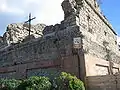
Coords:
pixel 4 8
pixel 51 12
pixel 3 5
pixel 31 1
pixel 45 11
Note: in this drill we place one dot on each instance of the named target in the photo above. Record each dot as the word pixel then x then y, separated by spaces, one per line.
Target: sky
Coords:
pixel 16 11
pixel 49 12
pixel 110 8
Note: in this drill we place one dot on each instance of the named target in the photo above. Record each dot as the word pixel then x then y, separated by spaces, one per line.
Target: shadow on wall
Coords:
pixel 27 38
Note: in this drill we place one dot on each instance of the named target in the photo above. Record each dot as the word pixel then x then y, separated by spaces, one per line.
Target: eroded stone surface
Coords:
pixel 56 42
pixel 16 33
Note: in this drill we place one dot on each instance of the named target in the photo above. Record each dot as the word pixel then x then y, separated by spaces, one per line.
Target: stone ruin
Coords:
pixel 16 33
pixel 50 49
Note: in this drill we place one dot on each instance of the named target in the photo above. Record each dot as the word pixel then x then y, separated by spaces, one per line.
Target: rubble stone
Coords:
pixel 83 19
pixel 16 33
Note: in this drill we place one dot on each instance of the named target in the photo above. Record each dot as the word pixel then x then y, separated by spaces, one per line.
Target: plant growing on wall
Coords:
pixel 108 56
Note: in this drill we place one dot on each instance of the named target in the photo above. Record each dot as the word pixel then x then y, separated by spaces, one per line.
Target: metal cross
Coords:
pixel 29 21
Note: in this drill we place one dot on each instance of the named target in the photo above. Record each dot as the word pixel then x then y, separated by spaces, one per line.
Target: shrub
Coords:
pixel 63 82
pixel 35 83
pixel 67 82
pixel 9 84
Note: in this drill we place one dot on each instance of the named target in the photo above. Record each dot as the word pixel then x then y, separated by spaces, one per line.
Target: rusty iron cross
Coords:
pixel 29 23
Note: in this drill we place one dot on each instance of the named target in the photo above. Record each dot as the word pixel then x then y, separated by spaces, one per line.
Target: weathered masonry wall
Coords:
pixel 53 51
pixel 17 33
pixel 99 38
pixel 108 82
pixel 95 29
pixel 40 68
pixel 42 56
pixel 99 42
pixel 49 47
pixel 97 66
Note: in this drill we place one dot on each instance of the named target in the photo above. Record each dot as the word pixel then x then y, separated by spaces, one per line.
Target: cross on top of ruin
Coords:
pixel 29 21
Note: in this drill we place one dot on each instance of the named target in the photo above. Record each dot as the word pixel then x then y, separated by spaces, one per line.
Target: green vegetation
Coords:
pixel 35 83
pixel 63 82
pixel 9 84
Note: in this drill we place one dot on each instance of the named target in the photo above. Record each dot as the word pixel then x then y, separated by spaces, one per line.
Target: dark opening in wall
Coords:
pixel 119 47
pixel 55 41
pixel 105 33
pixel 115 42
pixel 88 18
pixel 90 30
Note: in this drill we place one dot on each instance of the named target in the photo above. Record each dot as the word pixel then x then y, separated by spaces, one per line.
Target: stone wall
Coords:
pixel 99 37
pixel 108 82
pixel 55 46
pixel 96 28
pixel 99 40
pixel 49 47
pixel 82 19
pixel 97 66
pixel 16 33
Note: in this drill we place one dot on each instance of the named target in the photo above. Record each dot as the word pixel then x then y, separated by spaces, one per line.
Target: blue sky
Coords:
pixel 110 8
pixel 49 12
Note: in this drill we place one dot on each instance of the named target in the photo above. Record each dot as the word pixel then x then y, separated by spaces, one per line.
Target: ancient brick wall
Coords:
pixel 50 47
pixel 29 69
pixel 46 55
pixel 53 51
pixel 41 68
pixel 101 83
pixel 100 41
pixel 99 38
pixel 97 30
pixel 96 66
pixel 16 33
pixel 107 82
